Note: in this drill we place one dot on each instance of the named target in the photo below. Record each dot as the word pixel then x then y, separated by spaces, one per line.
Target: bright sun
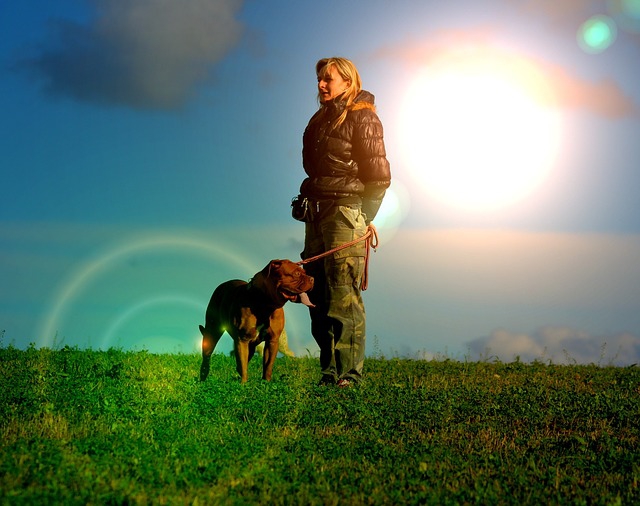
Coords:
pixel 478 130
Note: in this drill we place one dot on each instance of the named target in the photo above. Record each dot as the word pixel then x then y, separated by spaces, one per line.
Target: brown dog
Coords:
pixel 252 313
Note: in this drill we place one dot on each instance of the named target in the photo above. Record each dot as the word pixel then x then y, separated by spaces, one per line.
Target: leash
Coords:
pixel 370 239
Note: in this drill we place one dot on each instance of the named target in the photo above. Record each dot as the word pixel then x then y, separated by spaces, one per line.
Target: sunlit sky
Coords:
pixel 150 151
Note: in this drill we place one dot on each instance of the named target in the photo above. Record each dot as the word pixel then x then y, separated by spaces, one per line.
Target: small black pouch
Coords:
pixel 300 209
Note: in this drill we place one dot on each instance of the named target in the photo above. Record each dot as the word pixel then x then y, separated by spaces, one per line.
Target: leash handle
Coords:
pixel 371 241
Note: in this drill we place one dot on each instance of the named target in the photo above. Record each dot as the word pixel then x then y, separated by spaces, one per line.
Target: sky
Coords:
pixel 150 150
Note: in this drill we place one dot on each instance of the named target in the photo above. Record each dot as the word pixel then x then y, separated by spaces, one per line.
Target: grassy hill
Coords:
pixel 115 427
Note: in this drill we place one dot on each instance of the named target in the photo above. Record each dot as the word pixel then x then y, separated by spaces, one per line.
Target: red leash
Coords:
pixel 371 241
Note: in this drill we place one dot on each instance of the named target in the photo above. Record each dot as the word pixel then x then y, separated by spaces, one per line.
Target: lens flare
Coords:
pixel 170 302
pixel 632 8
pixel 88 273
pixel 626 14
pixel 393 211
pixel 597 34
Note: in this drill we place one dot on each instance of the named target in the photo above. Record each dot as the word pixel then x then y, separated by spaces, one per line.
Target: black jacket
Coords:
pixel 349 160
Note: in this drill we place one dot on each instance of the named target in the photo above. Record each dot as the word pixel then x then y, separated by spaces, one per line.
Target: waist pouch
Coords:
pixel 301 209
pixel 308 210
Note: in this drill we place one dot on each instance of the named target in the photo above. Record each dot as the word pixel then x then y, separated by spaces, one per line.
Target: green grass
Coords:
pixel 114 427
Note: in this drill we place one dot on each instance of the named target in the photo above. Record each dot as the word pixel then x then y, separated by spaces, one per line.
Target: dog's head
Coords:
pixel 283 281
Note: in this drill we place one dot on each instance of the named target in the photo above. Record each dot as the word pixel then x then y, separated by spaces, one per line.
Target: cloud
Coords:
pixel 551 84
pixel 561 345
pixel 148 54
pixel 438 289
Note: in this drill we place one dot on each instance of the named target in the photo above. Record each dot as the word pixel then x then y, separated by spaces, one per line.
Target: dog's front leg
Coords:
pixel 269 357
pixel 242 359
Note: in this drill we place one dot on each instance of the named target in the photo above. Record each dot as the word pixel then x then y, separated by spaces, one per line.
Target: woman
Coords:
pixel 348 173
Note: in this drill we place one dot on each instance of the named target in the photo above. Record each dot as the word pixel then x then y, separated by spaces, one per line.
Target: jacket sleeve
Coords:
pixel 373 167
pixel 371 201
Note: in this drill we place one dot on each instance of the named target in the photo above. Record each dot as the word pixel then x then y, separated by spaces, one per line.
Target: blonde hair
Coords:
pixel 349 73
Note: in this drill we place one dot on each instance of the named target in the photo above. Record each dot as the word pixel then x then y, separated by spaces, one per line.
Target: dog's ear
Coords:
pixel 259 279
pixel 274 264
pixel 266 272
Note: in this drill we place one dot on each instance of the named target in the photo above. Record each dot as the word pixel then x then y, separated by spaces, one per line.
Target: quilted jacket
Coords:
pixel 348 160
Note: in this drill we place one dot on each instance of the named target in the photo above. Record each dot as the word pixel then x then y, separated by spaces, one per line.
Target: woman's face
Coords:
pixel 331 85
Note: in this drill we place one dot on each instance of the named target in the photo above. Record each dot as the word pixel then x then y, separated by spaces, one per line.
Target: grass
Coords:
pixel 115 427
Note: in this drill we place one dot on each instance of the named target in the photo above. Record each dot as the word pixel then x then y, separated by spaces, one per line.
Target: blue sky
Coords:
pixel 150 150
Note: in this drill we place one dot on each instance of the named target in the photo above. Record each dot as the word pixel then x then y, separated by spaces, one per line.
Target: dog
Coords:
pixel 252 313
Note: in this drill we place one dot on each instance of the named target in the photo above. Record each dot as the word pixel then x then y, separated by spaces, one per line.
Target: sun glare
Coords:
pixel 478 130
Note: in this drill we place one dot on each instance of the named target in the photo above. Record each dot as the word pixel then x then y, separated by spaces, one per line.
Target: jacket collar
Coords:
pixel 363 100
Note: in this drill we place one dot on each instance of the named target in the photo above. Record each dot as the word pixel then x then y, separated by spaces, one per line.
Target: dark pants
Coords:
pixel 338 320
